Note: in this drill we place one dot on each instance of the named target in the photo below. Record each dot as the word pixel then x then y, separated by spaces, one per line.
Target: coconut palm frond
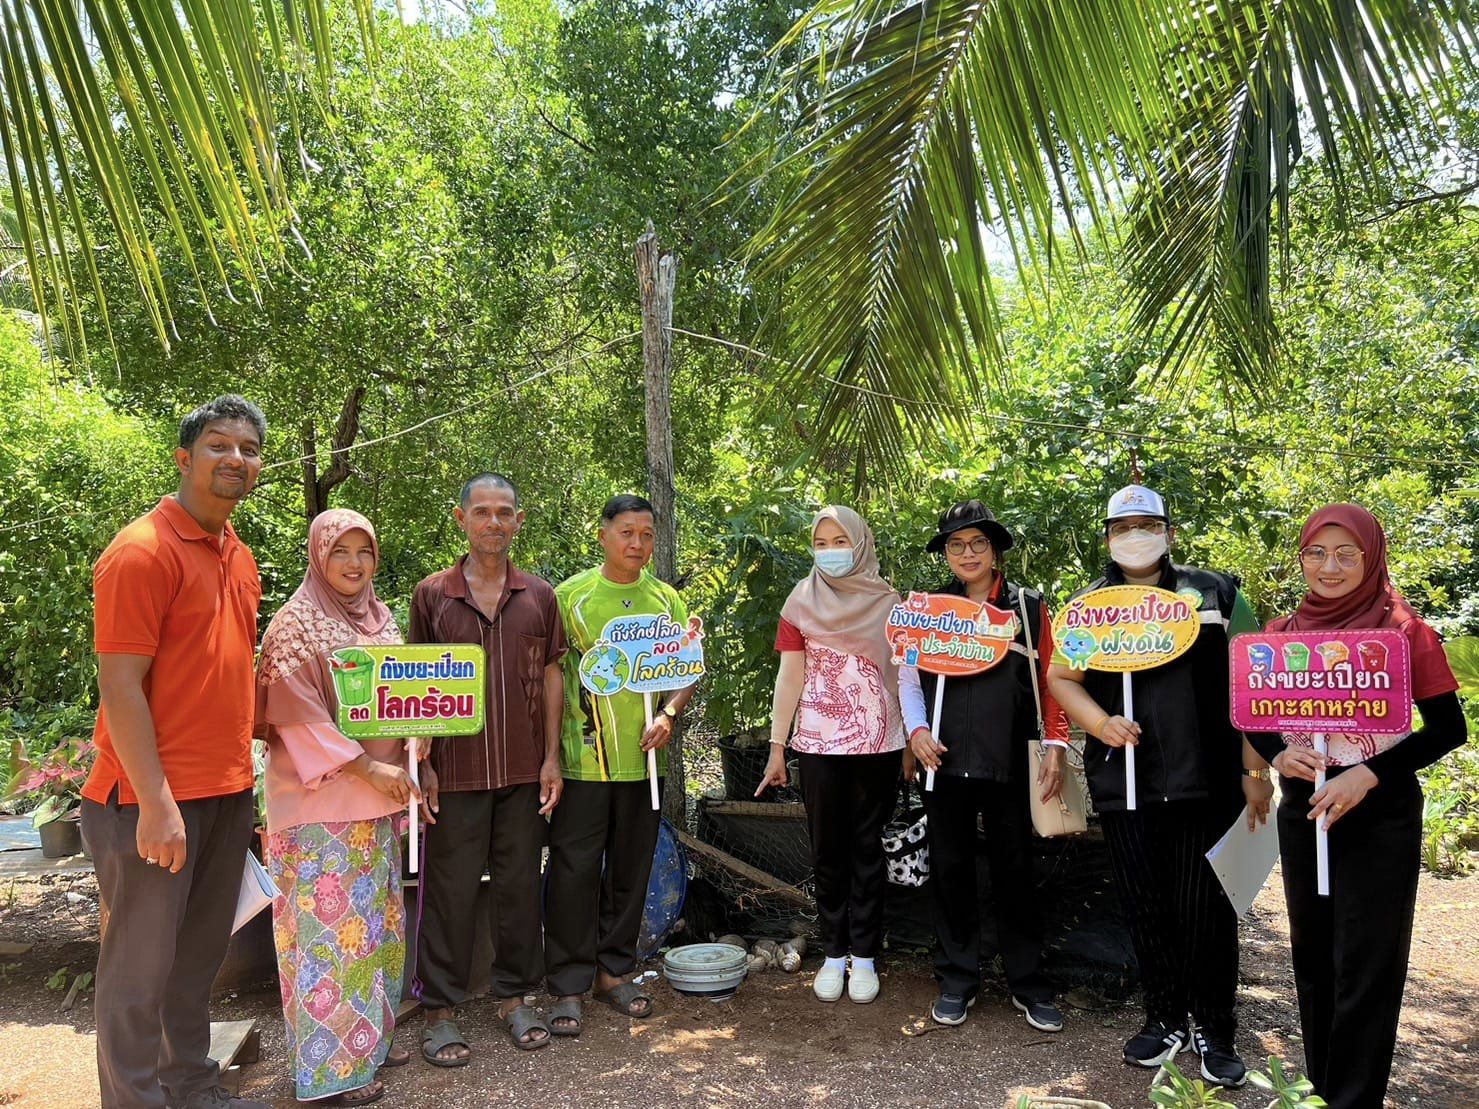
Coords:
pixel 1365 78
pixel 929 122
pixel 189 91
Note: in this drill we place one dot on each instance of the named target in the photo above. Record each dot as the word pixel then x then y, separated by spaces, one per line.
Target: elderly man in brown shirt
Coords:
pixel 489 793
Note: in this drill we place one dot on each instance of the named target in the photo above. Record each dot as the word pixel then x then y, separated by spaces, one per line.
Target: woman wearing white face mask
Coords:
pixel 837 684
pixel 1190 783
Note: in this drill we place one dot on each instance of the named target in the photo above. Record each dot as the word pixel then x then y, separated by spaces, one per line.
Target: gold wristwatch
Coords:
pixel 1262 774
pixel 669 711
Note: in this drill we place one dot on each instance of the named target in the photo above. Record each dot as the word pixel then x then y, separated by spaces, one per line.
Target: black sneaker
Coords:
pixel 1220 1062
pixel 951 1008
pixel 1154 1044
pixel 1042 1015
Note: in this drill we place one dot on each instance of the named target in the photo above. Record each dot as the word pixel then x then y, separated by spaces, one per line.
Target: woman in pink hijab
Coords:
pixel 333 847
pixel 1350 948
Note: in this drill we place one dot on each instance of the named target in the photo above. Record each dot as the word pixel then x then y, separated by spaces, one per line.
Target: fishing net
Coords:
pixel 750 872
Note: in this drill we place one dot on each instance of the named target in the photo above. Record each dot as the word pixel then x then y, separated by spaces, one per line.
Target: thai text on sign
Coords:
pixel 644 654
pixel 949 635
pixel 1123 628
pixel 1330 681
pixel 392 691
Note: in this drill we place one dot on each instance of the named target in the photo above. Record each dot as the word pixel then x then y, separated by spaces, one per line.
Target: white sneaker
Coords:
pixel 862 984
pixel 827 985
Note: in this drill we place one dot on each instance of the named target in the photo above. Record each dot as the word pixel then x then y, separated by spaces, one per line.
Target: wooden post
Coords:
pixel 657 273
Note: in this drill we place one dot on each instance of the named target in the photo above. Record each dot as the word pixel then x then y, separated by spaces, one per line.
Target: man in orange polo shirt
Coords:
pixel 167 809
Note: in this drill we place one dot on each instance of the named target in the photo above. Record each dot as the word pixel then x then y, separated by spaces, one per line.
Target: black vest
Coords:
pixel 987 719
pixel 1188 747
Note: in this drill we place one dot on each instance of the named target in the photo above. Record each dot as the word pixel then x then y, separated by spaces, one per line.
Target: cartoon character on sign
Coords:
pixel 1261 658
pixel 695 632
pixel 1078 647
pixel 1334 654
pixel 353 671
pixel 900 643
pixel 1373 655
pixel 604 670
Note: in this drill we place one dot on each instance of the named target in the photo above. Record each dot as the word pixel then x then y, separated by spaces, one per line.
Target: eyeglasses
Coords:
pixel 1154 527
pixel 1346 557
pixel 978 545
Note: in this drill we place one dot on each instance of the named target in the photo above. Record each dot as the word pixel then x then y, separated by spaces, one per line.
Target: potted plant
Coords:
pixel 53 784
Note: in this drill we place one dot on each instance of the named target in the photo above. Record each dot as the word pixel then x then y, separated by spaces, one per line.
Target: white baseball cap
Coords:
pixel 1136 500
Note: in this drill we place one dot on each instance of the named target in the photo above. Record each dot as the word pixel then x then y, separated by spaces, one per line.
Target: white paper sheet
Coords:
pixel 257 892
pixel 1243 860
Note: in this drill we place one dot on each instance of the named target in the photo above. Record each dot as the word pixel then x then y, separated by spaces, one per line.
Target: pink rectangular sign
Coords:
pixel 1335 681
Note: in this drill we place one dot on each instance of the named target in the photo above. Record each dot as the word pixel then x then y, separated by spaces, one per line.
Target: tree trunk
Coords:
pixel 657 272
pixel 317 486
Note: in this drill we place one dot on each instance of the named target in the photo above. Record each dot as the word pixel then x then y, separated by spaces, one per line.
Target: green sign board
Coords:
pixel 399 690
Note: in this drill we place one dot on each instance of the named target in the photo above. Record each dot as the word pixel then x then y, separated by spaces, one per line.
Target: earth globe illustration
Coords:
pixel 604 670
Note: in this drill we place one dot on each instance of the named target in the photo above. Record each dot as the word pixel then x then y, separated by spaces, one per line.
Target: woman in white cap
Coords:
pixel 837 683
pixel 1190 783
pixel 987 722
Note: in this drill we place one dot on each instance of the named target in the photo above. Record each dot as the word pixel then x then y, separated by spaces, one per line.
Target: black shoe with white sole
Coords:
pixel 951 1008
pixel 1154 1044
pixel 1042 1015
pixel 1220 1062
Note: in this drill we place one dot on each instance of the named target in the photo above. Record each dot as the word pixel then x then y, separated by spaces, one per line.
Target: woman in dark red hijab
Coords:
pixel 1350 948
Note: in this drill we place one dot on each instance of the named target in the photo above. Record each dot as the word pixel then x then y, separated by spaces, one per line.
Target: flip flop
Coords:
pixel 396 1057
pixel 365 1095
pixel 523 1019
pixel 566 1009
pixel 623 997
pixel 443 1034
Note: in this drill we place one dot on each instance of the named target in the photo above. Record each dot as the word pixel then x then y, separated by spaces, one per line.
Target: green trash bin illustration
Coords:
pixel 354 676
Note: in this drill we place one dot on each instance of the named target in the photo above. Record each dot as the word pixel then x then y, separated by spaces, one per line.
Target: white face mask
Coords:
pixel 1137 550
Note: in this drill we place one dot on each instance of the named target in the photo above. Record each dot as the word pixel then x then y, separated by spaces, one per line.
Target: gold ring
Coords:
pixel 1337 806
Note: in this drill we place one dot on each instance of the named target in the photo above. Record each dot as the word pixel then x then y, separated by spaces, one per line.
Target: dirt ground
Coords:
pixel 773 1044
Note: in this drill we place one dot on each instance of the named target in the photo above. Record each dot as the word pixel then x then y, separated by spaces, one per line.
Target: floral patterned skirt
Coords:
pixel 340 932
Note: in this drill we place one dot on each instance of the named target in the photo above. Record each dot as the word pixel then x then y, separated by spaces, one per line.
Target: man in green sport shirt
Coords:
pixel 592 918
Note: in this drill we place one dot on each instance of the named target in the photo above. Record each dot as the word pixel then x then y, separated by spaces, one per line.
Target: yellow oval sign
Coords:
pixel 1126 627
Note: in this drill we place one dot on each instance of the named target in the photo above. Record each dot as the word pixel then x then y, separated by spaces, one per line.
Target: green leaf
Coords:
pixel 1463 658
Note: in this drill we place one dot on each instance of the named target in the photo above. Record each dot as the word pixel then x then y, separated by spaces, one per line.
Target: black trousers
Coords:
pixel 1350 949
pixel 1184 929
pixel 602 838
pixel 849 799
pixel 164 942
pixel 499 829
pixel 952 807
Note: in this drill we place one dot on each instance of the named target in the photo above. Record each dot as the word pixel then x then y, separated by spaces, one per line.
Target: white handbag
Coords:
pixel 1066 814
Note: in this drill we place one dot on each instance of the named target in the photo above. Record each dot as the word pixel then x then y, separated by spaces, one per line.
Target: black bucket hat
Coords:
pixel 970 514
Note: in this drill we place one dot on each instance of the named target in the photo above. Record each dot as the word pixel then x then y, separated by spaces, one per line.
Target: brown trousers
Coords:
pixel 165 938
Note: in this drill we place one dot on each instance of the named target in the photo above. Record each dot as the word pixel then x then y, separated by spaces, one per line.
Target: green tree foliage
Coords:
pixel 72 472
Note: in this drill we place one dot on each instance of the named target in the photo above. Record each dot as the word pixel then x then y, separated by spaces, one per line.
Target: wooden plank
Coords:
pixel 777 810
pixel 230 1039
pixel 768 883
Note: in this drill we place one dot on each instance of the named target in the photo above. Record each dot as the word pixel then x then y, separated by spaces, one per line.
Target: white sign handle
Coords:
pixel 414 770
pixel 929 775
pixel 651 755
pixel 1129 688
pixel 1322 835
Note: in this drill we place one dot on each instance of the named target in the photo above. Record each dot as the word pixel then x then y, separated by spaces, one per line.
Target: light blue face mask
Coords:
pixel 834 561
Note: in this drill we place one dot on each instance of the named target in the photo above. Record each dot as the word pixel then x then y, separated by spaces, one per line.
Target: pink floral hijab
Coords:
pixel 294 685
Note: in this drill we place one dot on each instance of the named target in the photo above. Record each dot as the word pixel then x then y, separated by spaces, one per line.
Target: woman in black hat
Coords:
pixel 987 721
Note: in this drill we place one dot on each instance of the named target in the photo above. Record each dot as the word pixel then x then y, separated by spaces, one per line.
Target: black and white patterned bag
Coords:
pixel 906 850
